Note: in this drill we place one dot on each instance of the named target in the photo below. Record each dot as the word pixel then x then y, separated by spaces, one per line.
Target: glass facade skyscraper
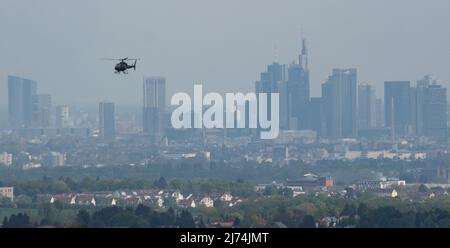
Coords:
pixel 339 103
pixel 298 91
pixel 107 122
pixel 154 89
pixel 366 106
pixel 21 93
pixel 397 105
pixel 435 113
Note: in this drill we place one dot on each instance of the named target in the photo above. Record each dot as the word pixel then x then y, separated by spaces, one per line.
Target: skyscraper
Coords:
pixel 435 113
pixel 316 115
pixel 426 81
pixel 21 92
pixel 339 103
pixel 366 106
pixel 269 80
pixel 107 120
pixel 154 105
pixel 62 116
pixel 42 107
pixel 298 91
pixel 397 104
pixel 379 113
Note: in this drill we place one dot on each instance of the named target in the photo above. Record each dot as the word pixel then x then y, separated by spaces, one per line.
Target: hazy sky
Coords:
pixel 223 44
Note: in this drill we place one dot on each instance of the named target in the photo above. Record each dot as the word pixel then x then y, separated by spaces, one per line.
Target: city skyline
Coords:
pixel 219 53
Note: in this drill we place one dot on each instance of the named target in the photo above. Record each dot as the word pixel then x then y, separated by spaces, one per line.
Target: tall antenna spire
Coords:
pixel 303 58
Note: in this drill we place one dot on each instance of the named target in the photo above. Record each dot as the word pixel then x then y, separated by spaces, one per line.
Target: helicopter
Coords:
pixel 123 66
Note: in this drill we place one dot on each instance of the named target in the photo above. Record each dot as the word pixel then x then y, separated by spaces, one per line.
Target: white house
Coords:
pixel 207 202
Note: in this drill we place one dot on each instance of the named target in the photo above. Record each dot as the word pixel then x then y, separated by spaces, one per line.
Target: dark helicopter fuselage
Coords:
pixel 123 66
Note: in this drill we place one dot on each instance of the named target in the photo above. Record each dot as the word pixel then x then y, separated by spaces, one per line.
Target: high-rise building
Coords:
pixel 269 81
pixel 62 116
pixel 20 101
pixel 339 103
pixel 426 81
pixel 417 96
pixel 42 107
pixel 316 115
pixel 284 105
pixel 366 106
pixel 435 113
pixel 154 105
pixel 379 113
pixel 298 91
pixel 397 105
pixel 107 120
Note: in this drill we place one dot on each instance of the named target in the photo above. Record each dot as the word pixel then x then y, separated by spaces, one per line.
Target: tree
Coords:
pixel 58 205
pixel 83 218
pixel 47 212
pixel 23 201
pixel 349 210
pixel 20 220
pixel 143 211
pixel 102 218
pixel 4 201
pixel 185 220
pixel 161 183
pixel 423 188
pixel 308 222
pixel 170 202
pixel 237 222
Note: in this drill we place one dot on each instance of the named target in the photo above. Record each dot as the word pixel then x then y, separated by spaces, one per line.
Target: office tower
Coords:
pixel 416 96
pixel 273 81
pixel 107 120
pixel 339 102
pixel 316 115
pixel 42 106
pixel 298 91
pixel 62 117
pixel 397 102
pixel 379 113
pixel 154 105
pixel 417 104
pixel 366 106
pixel 426 81
pixel 435 113
pixel 20 101
pixel 284 105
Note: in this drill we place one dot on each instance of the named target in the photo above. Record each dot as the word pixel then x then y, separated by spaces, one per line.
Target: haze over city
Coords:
pixel 224 45
pixel 225 114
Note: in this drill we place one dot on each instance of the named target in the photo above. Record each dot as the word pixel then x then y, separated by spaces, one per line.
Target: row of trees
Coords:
pixel 145 217
pixel 139 217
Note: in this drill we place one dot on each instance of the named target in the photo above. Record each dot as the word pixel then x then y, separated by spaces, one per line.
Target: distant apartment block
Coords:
pixel 6 159
pixel 107 120
pixel 62 117
pixel 7 192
